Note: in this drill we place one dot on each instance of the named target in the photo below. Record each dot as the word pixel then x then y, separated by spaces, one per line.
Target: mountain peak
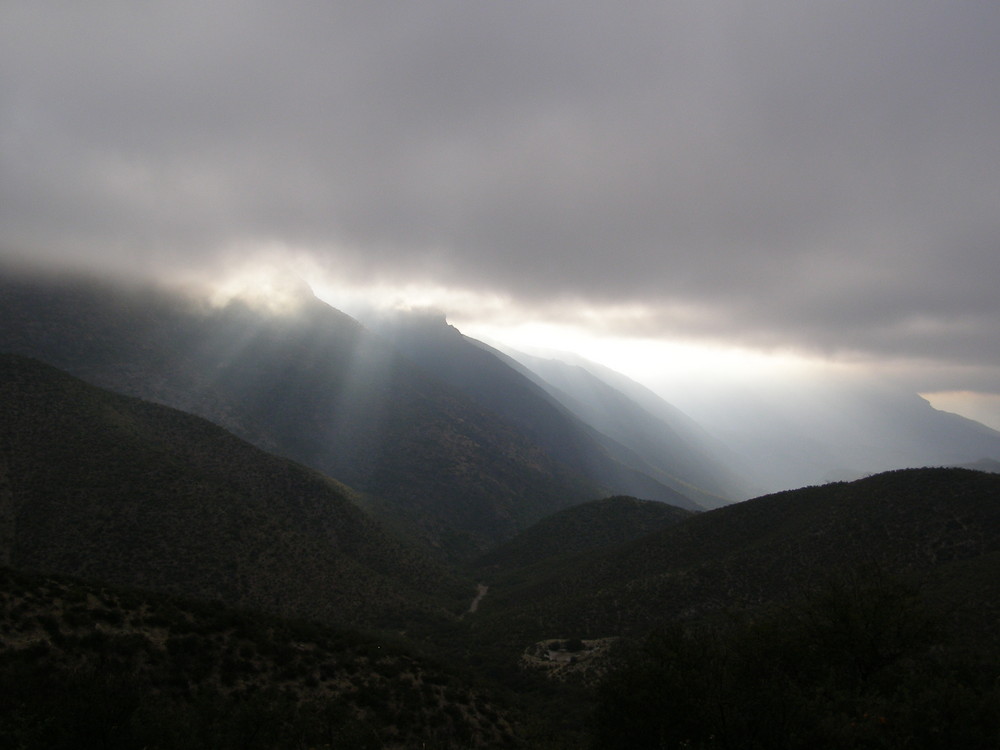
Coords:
pixel 427 323
pixel 274 290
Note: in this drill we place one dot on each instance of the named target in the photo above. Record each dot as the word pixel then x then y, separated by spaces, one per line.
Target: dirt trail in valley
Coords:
pixel 481 590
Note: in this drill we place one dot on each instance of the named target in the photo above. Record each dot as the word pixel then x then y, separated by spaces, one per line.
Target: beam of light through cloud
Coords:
pixel 688 372
pixel 663 364
pixel 671 367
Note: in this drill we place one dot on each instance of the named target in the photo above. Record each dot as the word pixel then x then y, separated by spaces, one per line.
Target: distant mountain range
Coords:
pixel 448 439
pixel 664 440
pixel 782 436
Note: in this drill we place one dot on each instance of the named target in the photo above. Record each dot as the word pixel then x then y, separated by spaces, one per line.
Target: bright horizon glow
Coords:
pixel 652 362
pixel 982 407
pixel 494 319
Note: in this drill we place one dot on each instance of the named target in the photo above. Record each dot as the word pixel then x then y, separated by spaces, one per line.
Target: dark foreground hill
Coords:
pixel 108 487
pixel 939 528
pixel 863 661
pixel 85 665
pixel 311 384
pixel 849 615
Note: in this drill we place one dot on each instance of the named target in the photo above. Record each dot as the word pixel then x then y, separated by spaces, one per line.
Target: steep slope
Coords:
pixel 673 447
pixel 499 385
pixel 107 487
pixel 311 384
pixel 936 526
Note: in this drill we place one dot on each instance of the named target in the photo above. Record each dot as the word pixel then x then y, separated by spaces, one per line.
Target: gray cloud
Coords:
pixel 820 175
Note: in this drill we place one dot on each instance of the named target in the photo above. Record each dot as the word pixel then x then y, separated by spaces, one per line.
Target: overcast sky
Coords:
pixel 811 177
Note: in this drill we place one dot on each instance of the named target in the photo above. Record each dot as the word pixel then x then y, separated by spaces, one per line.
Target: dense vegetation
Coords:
pixel 939 527
pixel 863 662
pixel 94 666
pixel 112 488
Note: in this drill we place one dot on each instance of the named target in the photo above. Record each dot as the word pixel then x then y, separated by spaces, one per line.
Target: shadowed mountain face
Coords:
pixel 938 527
pixel 115 489
pixel 107 487
pixel 504 387
pixel 313 385
pixel 670 445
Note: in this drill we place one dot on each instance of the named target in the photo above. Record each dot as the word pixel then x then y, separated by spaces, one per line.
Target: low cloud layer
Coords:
pixel 820 176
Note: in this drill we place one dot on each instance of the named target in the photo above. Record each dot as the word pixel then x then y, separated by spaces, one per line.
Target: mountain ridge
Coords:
pixel 914 523
pixel 581 529
pixel 667 442
pixel 313 385
pixel 501 385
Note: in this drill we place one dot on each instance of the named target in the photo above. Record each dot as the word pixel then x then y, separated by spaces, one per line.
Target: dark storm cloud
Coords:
pixel 808 174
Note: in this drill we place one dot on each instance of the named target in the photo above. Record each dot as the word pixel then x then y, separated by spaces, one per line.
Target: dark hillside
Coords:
pixel 940 527
pixel 311 384
pixel 112 488
pixel 863 661
pixel 504 387
pixel 84 665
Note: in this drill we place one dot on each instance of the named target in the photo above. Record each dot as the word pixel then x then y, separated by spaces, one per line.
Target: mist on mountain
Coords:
pixel 804 432
pixel 781 430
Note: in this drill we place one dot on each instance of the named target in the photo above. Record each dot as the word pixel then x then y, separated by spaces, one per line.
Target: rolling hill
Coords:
pixel 936 527
pixel 110 488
